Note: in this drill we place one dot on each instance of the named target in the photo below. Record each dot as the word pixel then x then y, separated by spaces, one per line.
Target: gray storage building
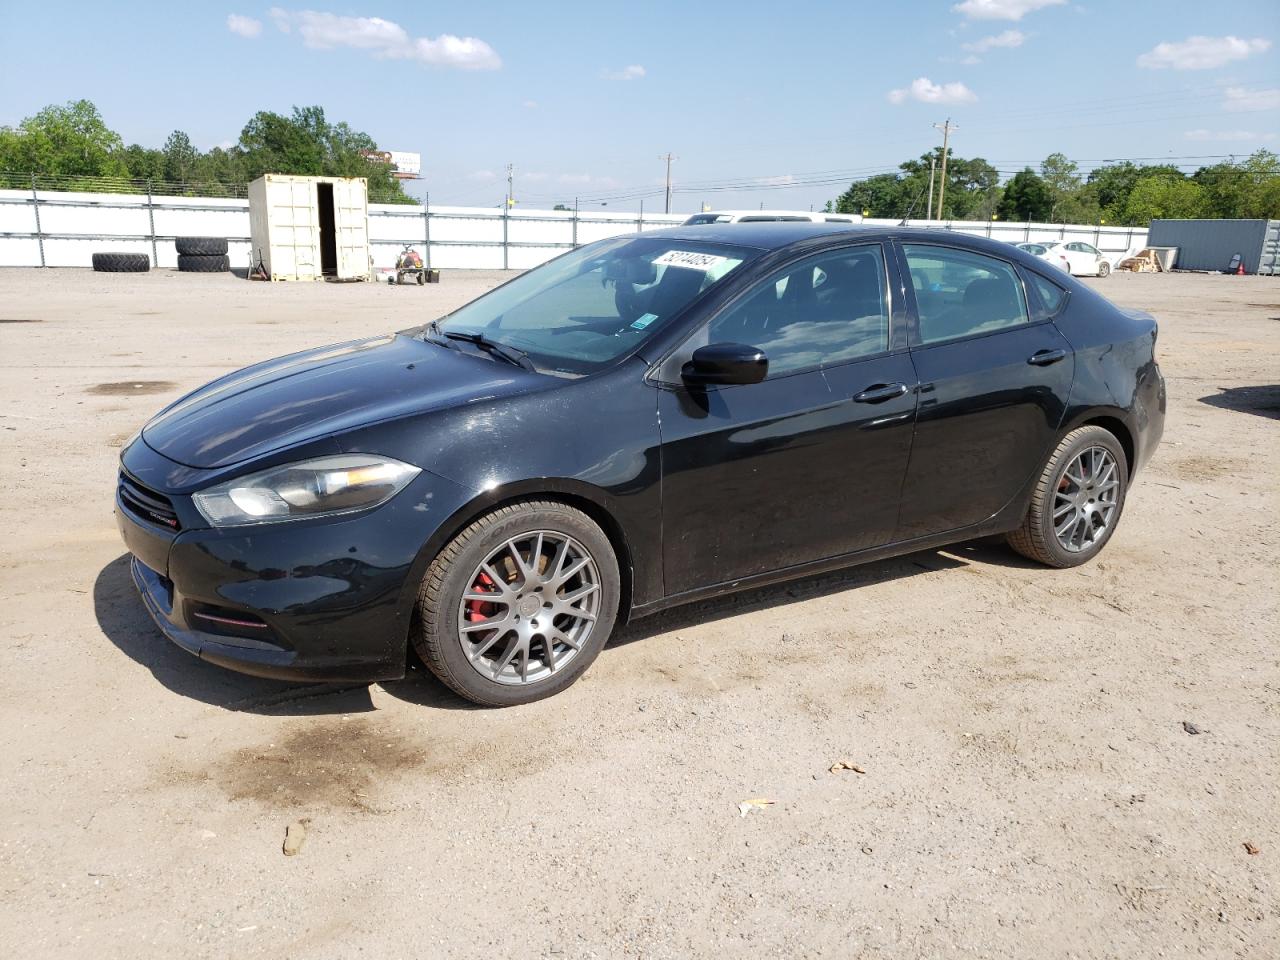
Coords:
pixel 1210 244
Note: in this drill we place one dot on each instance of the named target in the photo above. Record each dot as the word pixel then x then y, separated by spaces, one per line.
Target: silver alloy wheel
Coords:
pixel 529 608
pixel 1085 502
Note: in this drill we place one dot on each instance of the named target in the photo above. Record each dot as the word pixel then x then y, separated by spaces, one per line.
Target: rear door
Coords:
pixel 994 384
pixel 351 227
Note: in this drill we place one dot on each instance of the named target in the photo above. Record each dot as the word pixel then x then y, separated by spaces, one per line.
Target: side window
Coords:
pixel 821 311
pixel 959 293
pixel 1090 249
pixel 1050 294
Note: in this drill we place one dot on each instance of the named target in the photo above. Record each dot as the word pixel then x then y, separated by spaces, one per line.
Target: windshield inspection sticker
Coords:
pixel 643 321
pixel 689 260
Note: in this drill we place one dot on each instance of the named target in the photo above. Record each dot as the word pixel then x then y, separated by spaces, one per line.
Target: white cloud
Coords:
pixel 926 91
pixel 1201 53
pixel 1240 100
pixel 482 176
pixel 1247 136
pixel 244 26
pixel 385 39
pixel 1002 9
pixel 630 72
pixel 970 60
pixel 1010 38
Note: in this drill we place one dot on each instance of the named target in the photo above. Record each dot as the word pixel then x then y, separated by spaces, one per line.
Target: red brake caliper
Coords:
pixel 481 609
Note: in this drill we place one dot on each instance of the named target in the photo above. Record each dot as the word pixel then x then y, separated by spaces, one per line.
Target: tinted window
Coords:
pixel 822 311
pixel 769 218
pixel 1034 248
pixel 959 293
pixel 1050 294
pixel 589 307
pixel 838 220
pixel 698 218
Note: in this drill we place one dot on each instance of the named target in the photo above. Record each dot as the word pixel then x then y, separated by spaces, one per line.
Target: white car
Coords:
pixel 1084 258
pixel 1044 252
pixel 765 216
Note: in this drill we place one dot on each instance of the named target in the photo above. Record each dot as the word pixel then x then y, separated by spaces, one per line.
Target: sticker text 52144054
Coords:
pixel 689 260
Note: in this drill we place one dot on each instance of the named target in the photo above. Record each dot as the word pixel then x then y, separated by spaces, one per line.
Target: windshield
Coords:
pixel 587 309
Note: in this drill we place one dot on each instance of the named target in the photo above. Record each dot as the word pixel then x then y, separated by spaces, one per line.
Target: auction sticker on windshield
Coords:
pixel 689 260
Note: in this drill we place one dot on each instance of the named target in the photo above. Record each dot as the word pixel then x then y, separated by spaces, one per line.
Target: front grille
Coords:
pixel 147 504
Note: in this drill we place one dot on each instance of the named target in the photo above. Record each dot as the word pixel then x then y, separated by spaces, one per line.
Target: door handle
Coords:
pixel 1042 358
pixel 881 392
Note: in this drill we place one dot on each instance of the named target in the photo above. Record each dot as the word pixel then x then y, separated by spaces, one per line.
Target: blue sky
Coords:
pixel 760 102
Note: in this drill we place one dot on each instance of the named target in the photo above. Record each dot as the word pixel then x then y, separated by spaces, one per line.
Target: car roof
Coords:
pixel 778 234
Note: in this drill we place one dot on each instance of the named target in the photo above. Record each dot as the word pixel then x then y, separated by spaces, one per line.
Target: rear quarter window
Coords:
pixel 1051 297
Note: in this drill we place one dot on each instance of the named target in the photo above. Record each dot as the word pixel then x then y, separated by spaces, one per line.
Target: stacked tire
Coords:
pixel 202 254
pixel 121 262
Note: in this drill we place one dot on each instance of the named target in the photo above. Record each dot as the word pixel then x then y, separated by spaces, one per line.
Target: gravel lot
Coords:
pixel 1029 787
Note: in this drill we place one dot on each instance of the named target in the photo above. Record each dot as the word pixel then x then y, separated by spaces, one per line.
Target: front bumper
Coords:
pixel 330 597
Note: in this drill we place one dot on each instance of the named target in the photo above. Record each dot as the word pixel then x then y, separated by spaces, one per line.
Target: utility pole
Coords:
pixel 668 158
pixel 946 129
pixel 511 176
pixel 933 162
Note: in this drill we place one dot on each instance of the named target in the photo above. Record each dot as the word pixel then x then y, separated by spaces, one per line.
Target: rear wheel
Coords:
pixel 1077 501
pixel 518 604
pixel 1104 269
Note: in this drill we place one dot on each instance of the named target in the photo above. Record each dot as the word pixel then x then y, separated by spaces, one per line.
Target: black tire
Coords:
pixel 1104 269
pixel 422 278
pixel 447 578
pixel 201 246
pixel 1036 539
pixel 201 264
pixel 121 262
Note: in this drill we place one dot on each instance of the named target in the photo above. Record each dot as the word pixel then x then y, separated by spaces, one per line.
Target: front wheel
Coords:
pixel 1077 502
pixel 518 604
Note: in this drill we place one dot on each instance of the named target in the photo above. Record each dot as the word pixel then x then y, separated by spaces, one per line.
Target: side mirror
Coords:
pixel 725 363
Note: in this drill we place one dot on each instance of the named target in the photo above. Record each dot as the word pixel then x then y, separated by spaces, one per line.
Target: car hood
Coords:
pixel 317 393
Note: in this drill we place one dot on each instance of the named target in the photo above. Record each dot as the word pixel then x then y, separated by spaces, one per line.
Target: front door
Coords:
pixel 807 464
pixel 994 383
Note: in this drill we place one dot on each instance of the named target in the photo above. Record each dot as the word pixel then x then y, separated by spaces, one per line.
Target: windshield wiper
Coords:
pixel 511 355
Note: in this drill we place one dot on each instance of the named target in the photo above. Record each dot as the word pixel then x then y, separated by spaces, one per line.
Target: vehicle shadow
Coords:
pixel 1263 401
pixel 124 621
pixel 991 551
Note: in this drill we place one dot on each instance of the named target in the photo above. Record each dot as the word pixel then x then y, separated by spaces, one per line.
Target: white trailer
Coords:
pixel 310 228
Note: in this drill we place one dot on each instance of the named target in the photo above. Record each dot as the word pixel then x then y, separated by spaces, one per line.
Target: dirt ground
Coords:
pixel 1029 790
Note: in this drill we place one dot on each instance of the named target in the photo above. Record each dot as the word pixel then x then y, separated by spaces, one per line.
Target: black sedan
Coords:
pixel 644 421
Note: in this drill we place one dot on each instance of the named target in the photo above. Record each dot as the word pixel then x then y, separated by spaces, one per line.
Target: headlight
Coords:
pixel 313 488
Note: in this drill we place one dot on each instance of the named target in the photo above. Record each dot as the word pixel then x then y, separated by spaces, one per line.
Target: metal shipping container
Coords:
pixel 310 228
pixel 1210 244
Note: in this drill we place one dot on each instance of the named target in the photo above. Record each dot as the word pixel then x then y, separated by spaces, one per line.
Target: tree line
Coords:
pixel 74 141
pixel 1121 193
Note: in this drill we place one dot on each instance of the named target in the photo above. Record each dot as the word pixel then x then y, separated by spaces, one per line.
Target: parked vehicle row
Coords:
pixel 642 422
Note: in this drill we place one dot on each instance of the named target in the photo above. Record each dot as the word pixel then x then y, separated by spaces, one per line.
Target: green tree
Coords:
pixel 1162 196
pixel 1062 178
pixel 879 196
pixel 1026 197
pixel 144 163
pixel 180 157
pixel 71 140
pixel 1111 185
pixel 307 144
